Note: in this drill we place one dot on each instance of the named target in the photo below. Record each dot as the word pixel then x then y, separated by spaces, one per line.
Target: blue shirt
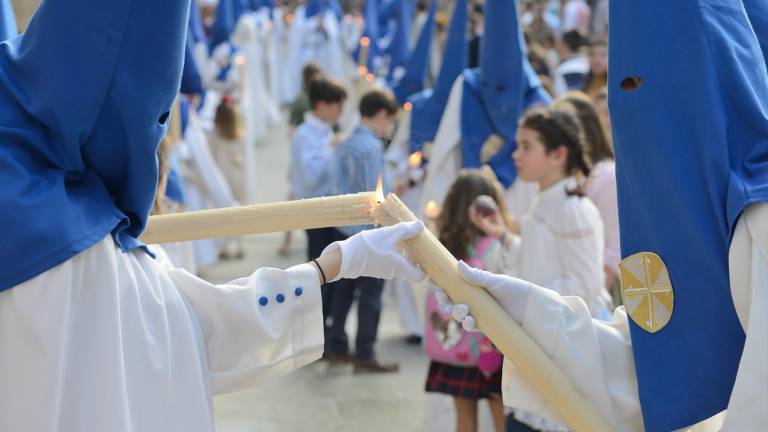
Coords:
pixel 312 159
pixel 360 162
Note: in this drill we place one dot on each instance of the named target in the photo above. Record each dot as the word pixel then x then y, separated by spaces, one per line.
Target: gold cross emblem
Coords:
pixel 646 290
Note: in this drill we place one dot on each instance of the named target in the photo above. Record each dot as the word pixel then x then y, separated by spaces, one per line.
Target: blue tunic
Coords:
pixel 692 152
pixel 85 97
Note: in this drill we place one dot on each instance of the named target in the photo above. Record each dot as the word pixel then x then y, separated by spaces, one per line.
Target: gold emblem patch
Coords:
pixel 490 147
pixel 647 290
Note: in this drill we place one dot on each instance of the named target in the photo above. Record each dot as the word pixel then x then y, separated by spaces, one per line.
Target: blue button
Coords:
pixel 298 291
pixel 280 298
pixel 263 301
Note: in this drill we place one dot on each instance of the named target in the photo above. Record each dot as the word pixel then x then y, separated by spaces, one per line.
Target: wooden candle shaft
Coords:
pixel 343 210
pixel 495 323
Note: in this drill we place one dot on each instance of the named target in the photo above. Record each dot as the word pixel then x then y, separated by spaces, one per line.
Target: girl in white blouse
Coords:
pixel 560 244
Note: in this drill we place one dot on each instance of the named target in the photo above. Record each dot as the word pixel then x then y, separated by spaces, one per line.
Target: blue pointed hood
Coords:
pixel 196 30
pixel 502 60
pixel 7 20
pixel 498 93
pixel 371 31
pixel 313 8
pixel 85 97
pixel 418 60
pixel 428 105
pixel 398 48
pixel 228 12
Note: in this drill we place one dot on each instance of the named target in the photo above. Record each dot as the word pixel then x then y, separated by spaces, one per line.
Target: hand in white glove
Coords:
pixel 377 253
pixel 511 293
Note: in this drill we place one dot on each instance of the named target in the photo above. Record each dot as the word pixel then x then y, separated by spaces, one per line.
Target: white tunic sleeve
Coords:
pixel 580 246
pixel 445 158
pixel 262 326
pixel 595 355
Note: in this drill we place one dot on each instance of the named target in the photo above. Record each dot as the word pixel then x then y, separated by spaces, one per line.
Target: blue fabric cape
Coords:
pixel 692 152
pixel 85 96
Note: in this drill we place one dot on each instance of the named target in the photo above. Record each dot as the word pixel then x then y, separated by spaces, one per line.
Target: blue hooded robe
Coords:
pixel 85 96
pixel 498 93
pixel 688 92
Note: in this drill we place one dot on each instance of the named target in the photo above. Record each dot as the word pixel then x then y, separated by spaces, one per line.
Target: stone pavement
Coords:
pixel 318 398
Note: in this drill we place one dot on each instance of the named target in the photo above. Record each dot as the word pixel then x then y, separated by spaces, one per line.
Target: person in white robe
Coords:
pixel 709 239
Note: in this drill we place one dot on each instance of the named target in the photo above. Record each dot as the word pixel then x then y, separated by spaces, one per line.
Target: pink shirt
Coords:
pixel 601 189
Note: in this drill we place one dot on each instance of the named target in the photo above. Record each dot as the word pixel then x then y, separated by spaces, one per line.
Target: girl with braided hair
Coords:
pixel 560 244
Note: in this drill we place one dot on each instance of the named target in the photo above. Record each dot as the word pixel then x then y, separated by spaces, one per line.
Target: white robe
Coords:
pixel 597 356
pixel 259 110
pixel 396 158
pixel 119 342
pixel 205 186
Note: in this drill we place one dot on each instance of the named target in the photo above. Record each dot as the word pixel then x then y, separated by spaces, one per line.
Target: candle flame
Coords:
pixel 380 191
pixel 365 41
pixel 362 70
pixel 369 77
pixel 289 18
pixel 407 106
pixel 240 60
pixel 432 211
pixel 414 160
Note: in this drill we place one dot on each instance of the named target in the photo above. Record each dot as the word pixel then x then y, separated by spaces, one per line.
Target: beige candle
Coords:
pixel 335 211
pixel 495 323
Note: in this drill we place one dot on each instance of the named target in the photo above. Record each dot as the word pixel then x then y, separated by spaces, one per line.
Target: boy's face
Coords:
pixel 382 124
pixel 329 112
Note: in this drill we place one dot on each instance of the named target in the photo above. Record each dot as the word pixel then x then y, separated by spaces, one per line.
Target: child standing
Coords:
pixel 560 245
pixel 313 159
pixel 464 375
pixel 360 164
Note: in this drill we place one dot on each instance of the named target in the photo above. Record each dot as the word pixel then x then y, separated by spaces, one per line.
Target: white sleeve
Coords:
pixel 595 355
pixel 396 155
pixel 445 158
pixel 262 326
pixel 580 246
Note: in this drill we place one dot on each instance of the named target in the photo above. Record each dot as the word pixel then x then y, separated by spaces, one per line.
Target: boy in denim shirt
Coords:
pixel 359 164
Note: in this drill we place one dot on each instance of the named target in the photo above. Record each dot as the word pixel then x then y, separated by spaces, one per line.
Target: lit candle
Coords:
pixel 432 211
pixel 369 77
pixel 414 160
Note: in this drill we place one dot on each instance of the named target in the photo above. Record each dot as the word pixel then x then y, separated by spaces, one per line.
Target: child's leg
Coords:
pixel 497 412
pixel 466 414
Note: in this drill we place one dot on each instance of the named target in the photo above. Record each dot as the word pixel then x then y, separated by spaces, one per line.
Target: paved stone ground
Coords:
pixel 319 398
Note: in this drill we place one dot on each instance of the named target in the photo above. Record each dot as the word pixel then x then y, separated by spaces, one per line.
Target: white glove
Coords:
pixel 511 293
pixel 376 253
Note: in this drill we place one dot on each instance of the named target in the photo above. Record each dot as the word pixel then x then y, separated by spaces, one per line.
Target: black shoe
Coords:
pixel 413 339
pixel 373 366
pixel 337 359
